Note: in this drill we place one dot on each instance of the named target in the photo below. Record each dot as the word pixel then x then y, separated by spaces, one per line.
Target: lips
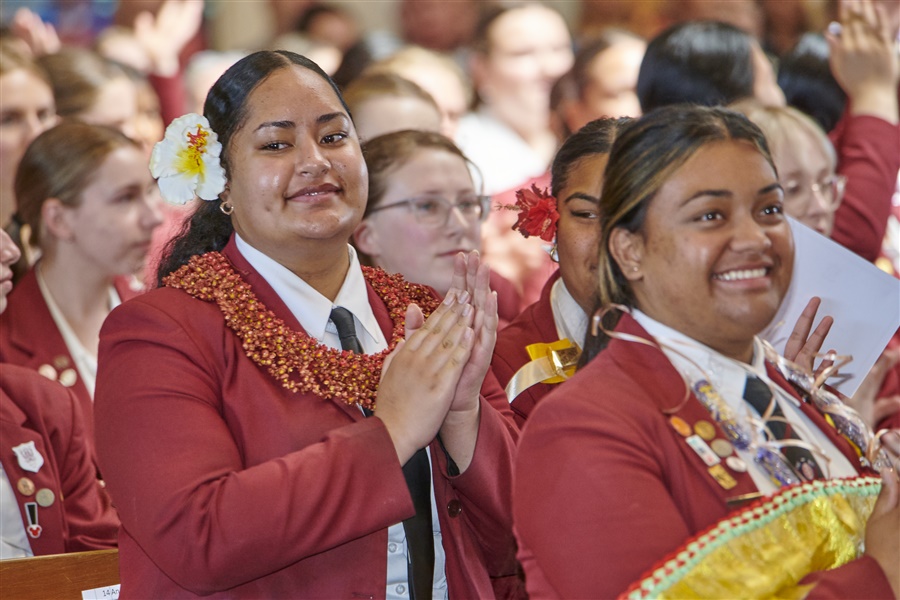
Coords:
pixel 742 274
pixel 314 191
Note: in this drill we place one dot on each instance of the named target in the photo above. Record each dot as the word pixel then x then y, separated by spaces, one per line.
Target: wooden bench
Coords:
pixel 58 576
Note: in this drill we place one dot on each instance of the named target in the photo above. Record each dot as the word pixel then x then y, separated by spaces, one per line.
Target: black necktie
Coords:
pixel 343 320
pixel 417 472
pixel 759 396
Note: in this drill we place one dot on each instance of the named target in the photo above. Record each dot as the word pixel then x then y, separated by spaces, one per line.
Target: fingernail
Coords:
pixel 450 297
pixel 466 310
pixel 464 297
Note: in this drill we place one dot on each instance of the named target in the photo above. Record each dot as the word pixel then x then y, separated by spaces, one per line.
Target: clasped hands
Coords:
pixel 432 380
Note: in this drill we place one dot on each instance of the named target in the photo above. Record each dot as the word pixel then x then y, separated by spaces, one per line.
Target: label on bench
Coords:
pixel 110 592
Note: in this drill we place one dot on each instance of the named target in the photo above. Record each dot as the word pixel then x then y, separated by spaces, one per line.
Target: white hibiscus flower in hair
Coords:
pixel 186 162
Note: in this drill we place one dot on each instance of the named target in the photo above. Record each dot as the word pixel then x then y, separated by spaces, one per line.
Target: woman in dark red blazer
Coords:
pixel 569 295
pixel 642 457
pixel 47 460
pixel 238 425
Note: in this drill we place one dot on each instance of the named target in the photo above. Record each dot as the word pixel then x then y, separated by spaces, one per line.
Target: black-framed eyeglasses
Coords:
pixel 434 211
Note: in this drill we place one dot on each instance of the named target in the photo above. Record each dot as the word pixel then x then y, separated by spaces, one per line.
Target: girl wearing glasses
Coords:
pixel 423 209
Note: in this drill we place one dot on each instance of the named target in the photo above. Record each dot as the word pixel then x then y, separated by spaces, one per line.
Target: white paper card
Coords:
pixel 110 592
pixel 863 299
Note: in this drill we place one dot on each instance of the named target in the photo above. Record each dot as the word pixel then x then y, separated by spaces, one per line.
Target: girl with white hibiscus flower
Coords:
pixel 85 192
pixel 275 420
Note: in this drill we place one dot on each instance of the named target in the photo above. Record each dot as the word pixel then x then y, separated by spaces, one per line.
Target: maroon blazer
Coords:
pixel 868 150
pixel 605 487
pixel 34 409
pixel 228 484
pixel 29 337
pixel 533 325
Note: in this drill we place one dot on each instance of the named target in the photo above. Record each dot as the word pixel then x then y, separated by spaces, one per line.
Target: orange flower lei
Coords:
pixel 293 358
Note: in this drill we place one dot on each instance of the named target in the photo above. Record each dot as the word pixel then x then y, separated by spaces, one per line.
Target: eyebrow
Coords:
pixel 728 193
pixel 582 196
pixel 291 124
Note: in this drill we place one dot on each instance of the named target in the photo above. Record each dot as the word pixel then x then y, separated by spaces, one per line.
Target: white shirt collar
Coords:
pixel 312 309
pixel 568 316
pixel 699 361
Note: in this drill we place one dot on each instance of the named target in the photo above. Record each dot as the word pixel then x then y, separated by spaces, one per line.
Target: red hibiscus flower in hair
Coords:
pixel 537 213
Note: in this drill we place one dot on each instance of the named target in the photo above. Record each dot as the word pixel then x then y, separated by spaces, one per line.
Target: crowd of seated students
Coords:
pixel 577 237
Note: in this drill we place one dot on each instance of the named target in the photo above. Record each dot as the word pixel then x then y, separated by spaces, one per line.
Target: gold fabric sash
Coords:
pixel 766 549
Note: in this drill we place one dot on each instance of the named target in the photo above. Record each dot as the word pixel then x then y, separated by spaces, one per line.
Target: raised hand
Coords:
pixel 478 289
pixel 803 347
pixel 420 378
pixel 459 432
pixel 864 58
pixel 165 35
pixel 40 37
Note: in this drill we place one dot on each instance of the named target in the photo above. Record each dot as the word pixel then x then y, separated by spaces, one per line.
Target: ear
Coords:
pixel 367 240
pixel 56 219
pixel 627 249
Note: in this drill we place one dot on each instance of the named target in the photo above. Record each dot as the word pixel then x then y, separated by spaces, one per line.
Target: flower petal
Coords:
pixel 178 189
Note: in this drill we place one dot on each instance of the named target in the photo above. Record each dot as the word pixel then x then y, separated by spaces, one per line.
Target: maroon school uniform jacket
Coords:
pixel 868 150
pixel 29 337
pixel 230 485
pixel 78 518
pixel 605 487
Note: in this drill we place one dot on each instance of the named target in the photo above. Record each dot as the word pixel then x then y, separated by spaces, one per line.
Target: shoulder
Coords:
pixel 44 403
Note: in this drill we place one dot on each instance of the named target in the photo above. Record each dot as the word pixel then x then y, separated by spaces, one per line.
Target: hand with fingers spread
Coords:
pixel 420 377
pixel 864 59
pixel 40 37
pixel 803 347
pixel 164 35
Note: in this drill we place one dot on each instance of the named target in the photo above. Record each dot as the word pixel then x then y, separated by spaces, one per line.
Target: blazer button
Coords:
pixel 454 508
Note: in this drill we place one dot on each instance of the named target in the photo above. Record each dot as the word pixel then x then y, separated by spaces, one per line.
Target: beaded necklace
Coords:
pixel 294 359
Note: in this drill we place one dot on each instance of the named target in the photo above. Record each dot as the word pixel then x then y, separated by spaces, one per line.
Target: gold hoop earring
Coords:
pixel 554 253
pixel 226 207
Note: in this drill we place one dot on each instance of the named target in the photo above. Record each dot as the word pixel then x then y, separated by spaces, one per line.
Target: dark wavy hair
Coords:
pixel 698 62
pixel 209 229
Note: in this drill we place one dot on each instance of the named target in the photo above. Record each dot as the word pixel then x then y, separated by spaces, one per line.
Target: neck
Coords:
pixel 79 292
pixel 324 268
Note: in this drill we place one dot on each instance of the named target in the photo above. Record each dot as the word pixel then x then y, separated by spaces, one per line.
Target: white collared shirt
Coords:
pixel 313 311
pixel 569 318
pixel 728 376
pixel 85 362
pixel 13 539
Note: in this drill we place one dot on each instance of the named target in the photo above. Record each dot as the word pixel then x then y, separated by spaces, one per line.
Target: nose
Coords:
pixel 749 235
pixel 34 126
pixel 456 220
pixel 313 162
pixel 152 215
pixel 9 252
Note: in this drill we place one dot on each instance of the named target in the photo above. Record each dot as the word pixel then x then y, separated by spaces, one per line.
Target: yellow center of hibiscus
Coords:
pixel 190 157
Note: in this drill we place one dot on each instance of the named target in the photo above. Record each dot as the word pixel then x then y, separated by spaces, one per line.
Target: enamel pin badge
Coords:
pixel 31 512
pixel 28 456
